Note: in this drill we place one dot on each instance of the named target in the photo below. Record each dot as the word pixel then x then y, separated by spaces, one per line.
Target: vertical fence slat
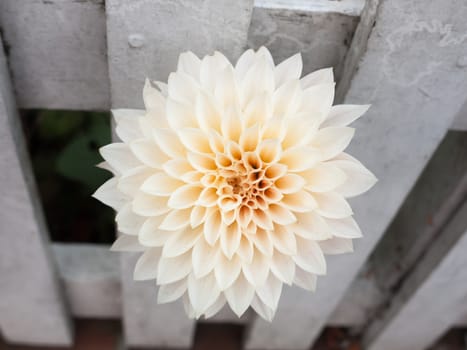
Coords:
pixel 414 321
pixel 410 76
pixel 31 306
pixel 144 40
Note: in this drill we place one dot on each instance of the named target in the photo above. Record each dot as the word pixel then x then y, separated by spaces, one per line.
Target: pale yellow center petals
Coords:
pixel 233 181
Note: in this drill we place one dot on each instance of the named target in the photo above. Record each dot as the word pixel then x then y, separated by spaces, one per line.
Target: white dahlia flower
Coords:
pixel 233 181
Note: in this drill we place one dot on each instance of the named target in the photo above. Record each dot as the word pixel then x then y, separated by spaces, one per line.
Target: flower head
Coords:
pixel 233 181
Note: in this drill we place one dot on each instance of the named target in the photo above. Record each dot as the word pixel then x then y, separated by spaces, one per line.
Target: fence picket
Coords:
pixel 32 309
pixel 145 39
pixel 395 140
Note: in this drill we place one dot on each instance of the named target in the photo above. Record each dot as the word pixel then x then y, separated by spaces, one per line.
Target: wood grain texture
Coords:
pixel 32 310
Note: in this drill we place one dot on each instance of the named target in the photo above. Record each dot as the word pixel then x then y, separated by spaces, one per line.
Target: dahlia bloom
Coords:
pixel 233 181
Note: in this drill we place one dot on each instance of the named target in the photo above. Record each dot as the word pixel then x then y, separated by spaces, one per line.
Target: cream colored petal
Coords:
pixel 283 240
pixel 231 126
pixel 230 240
pixel 213 227
pixel 274 128
pixel 227 271
pixel 189 63
pixel 258 79
pixel 130 182
pixel 184 197
pixel 202 162
pixel 110 195
pixel 257 271
pixel 262 219
pixel 343 115
pixel 146 266
pixel 250 138
pixel 290 183
pixel 174 269
pixel 310 256
pixel 161 184
pixel 240 295
pixel 317 100
pixel 332 141
pixel 207 112
pixel 198 215
pixel 171 292
pixel 261 309
pixel 262 241
pixel 287 99
pixel 127 243
pixel 119 156
pixel 245 250
pixel 359 179
pixel 127 221
pixel 180 114
pixel 258 110
pixel 211 68
pixel 305 279
pixel 106 166
pixel 169 143
pixel 300 158
pixel 176 220
pixel 149 205
pixel 299 202
pixel 226 90
pixel 323 177
pixel 153 99
pixel 203 292
pixel 337 245
pixel 190 312
pixel 264 55
pixel 180 242
pixel 182 88
pixel 344 228
pixel 208 197
pixel 245 62
pixel 163 87
pixel 150 235
pixel 332 205
pixel 283 267
pixel 290 68
pixel 216 307
pixel 270 292
pixel 281 215
pixel 311 226
pixel 204 257
pixel 177 168
pixel 127 128
pixel 275 171
pixel 149 153
pixel 269 151
pixel 322 76
pixel 195 140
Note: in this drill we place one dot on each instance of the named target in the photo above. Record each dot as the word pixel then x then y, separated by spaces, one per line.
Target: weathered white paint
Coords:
pixel 90 276
pixel 57 53
pixel 433 298
pixel 319 33
pixel 409 65
pixel 32 309
pixel 348 7
pixel 164 29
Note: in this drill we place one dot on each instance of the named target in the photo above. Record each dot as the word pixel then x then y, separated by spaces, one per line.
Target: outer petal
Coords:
pixel 291 68
pixel 119 156
pixel 310 256
pixel 174 269
pixel 171 292
pixel 110 195
pixel 227 271
pixel 204 258
pixel 332 141
pixel 203 292
pixel 146 266
pixel 270 292
pixel 343 115
pixel 322 76
pixel 240 295
pixel 127 243
pixel 332 205
pixel 337 245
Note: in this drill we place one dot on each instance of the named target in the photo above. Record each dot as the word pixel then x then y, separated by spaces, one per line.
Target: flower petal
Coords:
pixel 323 177
pixel 189 63
pixel 281 215
pixel 127 243
pixel 317 100
pixel 169 143
pixel 149 153
pixel 332 141
pixel 204 257
pixel 153 99
pixel 150 235
pixel 283 240
pixel 127 126
pixel 270 292
pixel 261 309
pixel 174 269
pixel 290 68
pixel 300 202
pixel 257 271
pixel 227 271
pixel 180 242
pixel 176 220
pixel 343 115
pixel 171 291
pixel 149 205
pixel 337 245
pixel 213 227
pixel 290 183
pixel 300 158
pixel 182 88
pixel 184 197
pixel 311 226
pixel 131 181
pixel 332 205
pixel 310 256
pixel 161 184
pixel 262 241
pixel 240 295
pixel 344 228
pixel 230 239
pixel 321 76
pixel 119 156
pixel 146 266
pixel 283 267
pixel 305 279
pixel 195 140
pixel 110 195
pixel 203 292
pixel 127 221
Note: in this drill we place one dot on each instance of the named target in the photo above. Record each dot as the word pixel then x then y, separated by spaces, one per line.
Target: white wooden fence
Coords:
pixel 407 58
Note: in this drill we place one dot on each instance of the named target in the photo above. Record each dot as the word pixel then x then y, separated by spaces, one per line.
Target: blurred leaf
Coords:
pixel 53 125
pixel 77 161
